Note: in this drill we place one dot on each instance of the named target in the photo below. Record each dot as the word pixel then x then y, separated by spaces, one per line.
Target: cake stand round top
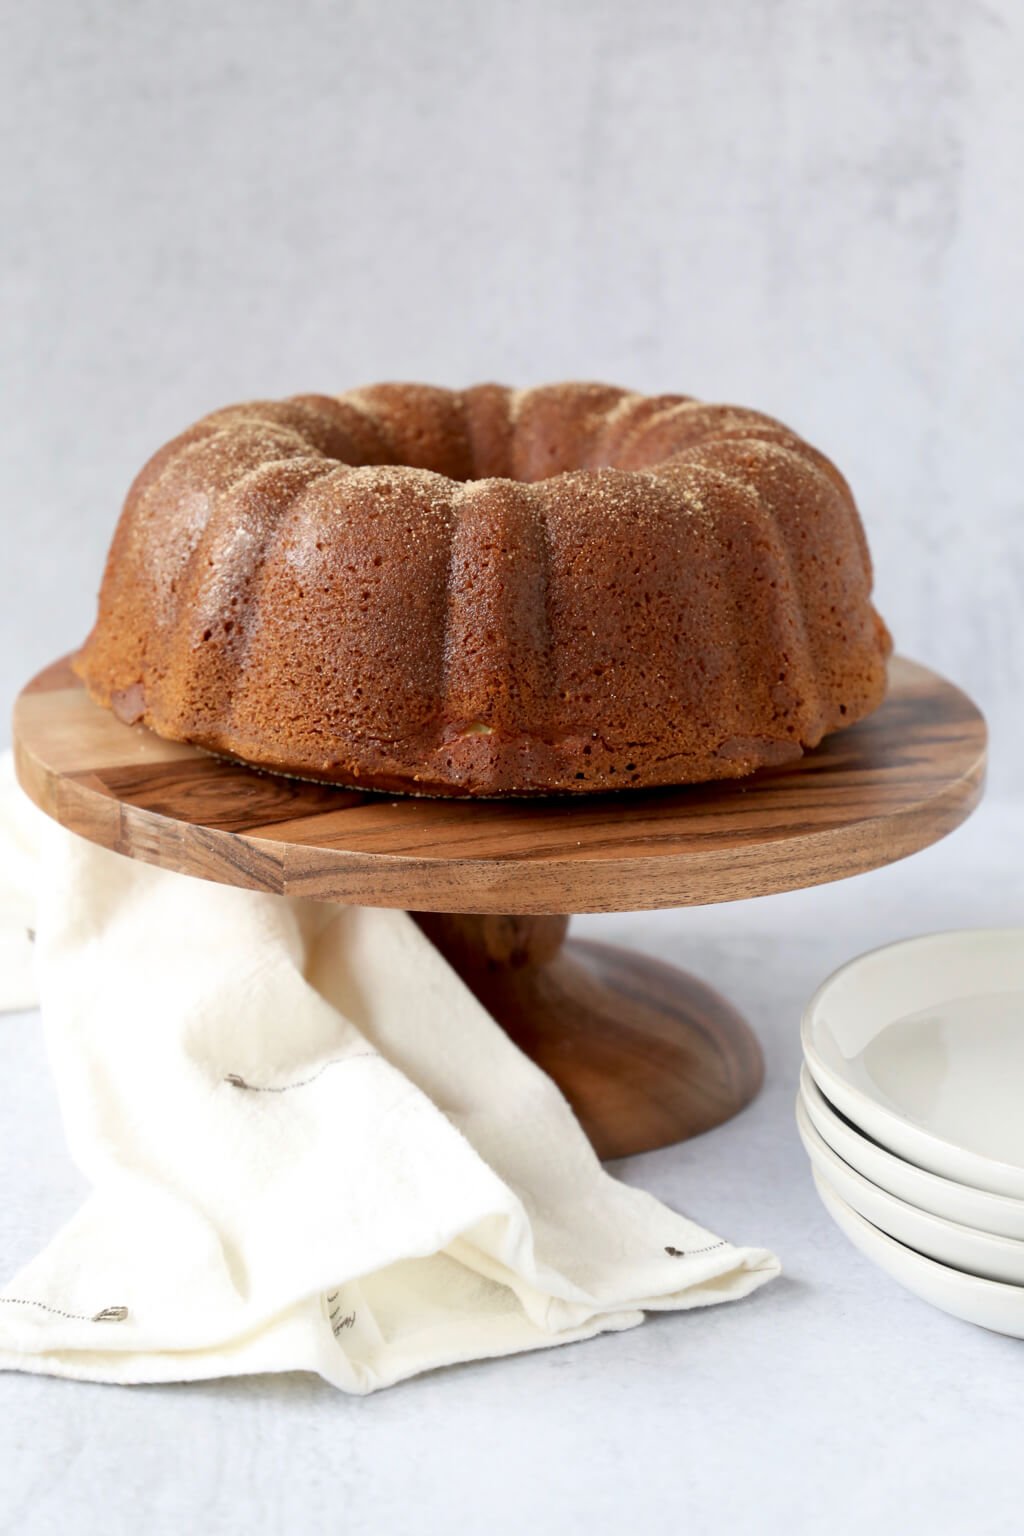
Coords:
pixel 881 790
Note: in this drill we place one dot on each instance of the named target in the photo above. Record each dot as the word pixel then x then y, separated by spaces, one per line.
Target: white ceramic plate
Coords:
pixel 985 1302
pixel 997 1214
pixel 978 1253
pixel 921 1045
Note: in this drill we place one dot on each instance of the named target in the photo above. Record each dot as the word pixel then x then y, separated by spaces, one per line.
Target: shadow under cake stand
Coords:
pixel 645 1053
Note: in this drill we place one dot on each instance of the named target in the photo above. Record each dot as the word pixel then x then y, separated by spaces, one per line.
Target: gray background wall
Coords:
pixel 811 208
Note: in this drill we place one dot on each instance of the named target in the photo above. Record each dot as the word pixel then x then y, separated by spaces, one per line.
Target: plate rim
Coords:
pixel 1012 1248
pixel 995 1205
pixel 950 1281
pixel 949 1159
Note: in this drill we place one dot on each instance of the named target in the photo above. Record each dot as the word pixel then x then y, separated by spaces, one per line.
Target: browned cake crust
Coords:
pixel 490 591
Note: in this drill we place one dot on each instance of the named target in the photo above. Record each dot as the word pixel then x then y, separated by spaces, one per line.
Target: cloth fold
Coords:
pixel 309 1147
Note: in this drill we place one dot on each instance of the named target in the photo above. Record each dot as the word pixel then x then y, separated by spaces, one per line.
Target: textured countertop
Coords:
pixel 831 1401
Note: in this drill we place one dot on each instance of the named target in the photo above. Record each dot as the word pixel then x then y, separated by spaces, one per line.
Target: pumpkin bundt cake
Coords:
pixel 490 591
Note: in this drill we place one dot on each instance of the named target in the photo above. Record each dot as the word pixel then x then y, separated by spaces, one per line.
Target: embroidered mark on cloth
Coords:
pixel 237 1081
pixel 338 1322
pixel 105 1315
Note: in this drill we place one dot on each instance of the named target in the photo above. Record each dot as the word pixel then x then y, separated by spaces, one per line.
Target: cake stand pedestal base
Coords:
pixel 645 1053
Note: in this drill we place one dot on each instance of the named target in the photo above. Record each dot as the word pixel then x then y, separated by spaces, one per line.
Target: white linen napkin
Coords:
pixel 309 1147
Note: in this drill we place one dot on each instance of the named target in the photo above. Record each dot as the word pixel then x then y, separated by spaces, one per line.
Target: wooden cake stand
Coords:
pixel 646 1054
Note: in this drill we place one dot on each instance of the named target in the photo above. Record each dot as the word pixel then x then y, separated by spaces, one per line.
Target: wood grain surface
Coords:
pixel 884 789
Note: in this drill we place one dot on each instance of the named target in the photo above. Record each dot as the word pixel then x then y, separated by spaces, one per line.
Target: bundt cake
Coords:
pixel 490 591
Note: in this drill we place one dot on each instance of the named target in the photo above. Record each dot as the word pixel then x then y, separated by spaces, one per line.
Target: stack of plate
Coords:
pixel 911 1109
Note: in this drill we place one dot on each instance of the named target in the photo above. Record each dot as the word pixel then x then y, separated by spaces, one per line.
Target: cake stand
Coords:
pixel 645 1053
